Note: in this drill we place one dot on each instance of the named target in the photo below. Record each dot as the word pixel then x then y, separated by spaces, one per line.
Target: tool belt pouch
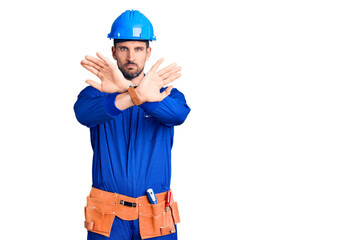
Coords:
pixel 155 221
pixel 99 216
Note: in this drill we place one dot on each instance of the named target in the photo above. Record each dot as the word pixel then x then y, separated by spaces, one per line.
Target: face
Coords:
pixel 131 57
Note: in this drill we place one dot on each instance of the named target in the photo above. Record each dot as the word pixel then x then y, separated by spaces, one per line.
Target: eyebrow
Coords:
pixel 121 46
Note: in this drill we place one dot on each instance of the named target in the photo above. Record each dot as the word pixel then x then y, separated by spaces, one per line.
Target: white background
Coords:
pixel 269 150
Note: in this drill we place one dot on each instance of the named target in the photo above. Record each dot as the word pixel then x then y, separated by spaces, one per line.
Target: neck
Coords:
pixel 137 79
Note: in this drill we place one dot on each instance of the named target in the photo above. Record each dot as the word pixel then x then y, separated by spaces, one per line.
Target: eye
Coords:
pixel 123 48
pixel 139 49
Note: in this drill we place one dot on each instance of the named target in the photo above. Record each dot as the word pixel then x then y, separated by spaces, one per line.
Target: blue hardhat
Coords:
pixel 132 25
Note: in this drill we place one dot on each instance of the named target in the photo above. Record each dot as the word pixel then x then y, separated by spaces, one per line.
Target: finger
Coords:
pixel 95 61
pixel 91 69
pixel 156 66
pixel 166 92
pixel 89 63
pixel 166 69
pixel 172 78
pixel 94 84
pixel 103 58
pixel 173 71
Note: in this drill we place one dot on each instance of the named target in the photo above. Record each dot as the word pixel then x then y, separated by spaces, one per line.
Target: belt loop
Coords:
pixel 128 204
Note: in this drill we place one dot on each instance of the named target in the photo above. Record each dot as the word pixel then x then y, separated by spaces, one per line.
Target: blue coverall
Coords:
pixel 131 148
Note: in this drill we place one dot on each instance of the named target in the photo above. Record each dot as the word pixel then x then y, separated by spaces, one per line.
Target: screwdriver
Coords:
pixel 168 200
pixel 151 196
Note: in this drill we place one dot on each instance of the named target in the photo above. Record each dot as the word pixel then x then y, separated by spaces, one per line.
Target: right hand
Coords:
pixel 112 80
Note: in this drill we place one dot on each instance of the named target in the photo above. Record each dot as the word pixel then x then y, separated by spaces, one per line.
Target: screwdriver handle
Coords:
pixel 168 200
pixel 151 196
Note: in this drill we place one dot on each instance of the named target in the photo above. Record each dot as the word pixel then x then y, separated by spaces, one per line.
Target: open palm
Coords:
pixel 112 80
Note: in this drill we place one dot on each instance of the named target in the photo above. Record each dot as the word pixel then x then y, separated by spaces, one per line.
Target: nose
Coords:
pixel 130 56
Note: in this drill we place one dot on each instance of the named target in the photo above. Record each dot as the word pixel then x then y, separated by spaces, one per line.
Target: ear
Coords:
pixel 113 52
pixel 148 53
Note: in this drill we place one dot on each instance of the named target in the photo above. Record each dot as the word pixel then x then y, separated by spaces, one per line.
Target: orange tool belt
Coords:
pixel 154 220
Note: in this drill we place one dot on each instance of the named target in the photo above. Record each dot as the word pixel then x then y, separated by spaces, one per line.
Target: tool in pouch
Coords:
pixel 151 196
pixel 166 221
pixel 168 200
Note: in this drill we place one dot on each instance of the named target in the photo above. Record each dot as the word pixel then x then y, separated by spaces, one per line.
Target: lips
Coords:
pixel 131 65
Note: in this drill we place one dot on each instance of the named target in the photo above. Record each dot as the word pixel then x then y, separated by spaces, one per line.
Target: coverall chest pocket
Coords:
pixel 154 131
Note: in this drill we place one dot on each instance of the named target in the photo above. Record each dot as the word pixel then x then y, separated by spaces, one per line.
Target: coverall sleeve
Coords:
pixel 171 111
pixel 94 107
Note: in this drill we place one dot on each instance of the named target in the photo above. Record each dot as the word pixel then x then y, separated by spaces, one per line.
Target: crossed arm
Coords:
pixel 112 80
pixel 102 101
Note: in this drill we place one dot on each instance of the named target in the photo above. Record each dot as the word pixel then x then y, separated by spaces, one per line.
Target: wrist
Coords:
pixel 123 86
pixel 122 89
pixel 135 96
pixel 140 94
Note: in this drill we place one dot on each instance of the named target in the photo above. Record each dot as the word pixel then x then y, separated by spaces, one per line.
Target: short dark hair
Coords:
pixel 125 40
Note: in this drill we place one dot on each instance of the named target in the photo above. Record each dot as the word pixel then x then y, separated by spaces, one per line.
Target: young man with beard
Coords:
pixel 131 117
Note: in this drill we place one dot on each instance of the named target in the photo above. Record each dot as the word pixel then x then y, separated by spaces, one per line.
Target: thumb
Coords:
pixel 156 65
pixel 94 84
pixel 167 92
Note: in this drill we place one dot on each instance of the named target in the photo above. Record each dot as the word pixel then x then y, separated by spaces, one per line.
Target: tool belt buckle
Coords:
pixel 128 204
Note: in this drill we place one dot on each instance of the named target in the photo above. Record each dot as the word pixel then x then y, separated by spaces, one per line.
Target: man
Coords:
pixel 131 117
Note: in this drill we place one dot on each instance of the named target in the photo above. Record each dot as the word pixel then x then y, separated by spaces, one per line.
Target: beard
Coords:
pixel 130 75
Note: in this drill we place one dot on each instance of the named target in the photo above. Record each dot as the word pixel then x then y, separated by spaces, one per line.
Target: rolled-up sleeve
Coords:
pixel 171 111
pixel 94 107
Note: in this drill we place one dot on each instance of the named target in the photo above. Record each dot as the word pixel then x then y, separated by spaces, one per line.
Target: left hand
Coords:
pixel 149 87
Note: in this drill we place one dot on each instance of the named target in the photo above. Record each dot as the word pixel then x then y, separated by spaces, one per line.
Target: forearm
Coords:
pixel 93 107
pixel 123 101
pixel 171 111
pixel 93 111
